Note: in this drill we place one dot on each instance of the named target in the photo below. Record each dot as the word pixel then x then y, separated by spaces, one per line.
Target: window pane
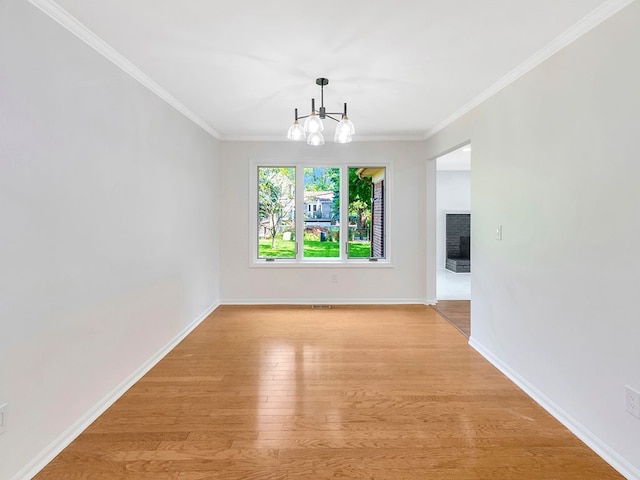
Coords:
pixel 322 212
pixel 367 212
pixel 276 212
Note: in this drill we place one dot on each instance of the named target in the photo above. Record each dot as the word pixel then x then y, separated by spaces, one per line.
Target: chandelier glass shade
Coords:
pixel 344 130
pixel 315 139
pixel 314 126
pixel 296 131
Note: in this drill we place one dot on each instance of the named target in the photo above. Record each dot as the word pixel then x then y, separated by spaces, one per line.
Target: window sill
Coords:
pixel 283 263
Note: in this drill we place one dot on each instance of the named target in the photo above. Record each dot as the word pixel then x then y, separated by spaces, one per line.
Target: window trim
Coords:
pixel 299 261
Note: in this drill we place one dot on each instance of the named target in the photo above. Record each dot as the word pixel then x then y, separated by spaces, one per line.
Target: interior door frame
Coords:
pixel 431 243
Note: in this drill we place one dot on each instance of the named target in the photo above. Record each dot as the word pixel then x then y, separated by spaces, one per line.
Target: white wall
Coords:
pixel 405 282
pixel 453 189
pixel 555 161
pixel 108 230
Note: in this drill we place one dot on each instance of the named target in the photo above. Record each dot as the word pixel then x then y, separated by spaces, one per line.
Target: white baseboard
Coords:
pixel 323 301
pixel 609 455
pixel 70 434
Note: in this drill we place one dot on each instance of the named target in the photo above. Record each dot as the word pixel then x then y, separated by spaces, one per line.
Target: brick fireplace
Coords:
pixel 458 242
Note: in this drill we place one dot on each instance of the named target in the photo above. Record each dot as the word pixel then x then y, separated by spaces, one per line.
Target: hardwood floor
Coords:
pixel 294 393
pixel 458 312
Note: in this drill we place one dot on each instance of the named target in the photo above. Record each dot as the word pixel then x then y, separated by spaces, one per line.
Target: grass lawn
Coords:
pixel 317 249
pixel 312 249
pixel 359 249
pixel 284 249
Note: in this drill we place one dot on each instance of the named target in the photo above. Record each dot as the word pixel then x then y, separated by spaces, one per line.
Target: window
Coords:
pixel 276 212
pixel 366 212
pixel 323 214
pixel 322 222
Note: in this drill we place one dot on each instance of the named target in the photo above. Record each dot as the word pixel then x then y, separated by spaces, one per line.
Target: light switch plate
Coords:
pixel 633 401
pixel 3 417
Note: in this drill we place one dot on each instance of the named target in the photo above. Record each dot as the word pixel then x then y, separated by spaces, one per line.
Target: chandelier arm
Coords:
pixel 328 115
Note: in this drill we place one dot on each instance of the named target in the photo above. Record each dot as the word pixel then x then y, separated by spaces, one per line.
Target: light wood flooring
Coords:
pixel 458 312
pixel 293 393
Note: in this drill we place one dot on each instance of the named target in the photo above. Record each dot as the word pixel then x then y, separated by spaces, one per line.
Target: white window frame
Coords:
pixel 299 261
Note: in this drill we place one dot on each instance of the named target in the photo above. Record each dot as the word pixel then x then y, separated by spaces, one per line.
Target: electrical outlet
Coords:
pixel 499 232
pixel 633 401
pixel 3 417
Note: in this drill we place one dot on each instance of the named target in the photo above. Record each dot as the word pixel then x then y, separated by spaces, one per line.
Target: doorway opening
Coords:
pixel 453 237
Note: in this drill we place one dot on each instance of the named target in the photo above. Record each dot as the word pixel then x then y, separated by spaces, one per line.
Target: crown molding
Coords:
pixel 254 138
pixel 389 138
pixel 57 13
pixel 590 21
pixel 283 138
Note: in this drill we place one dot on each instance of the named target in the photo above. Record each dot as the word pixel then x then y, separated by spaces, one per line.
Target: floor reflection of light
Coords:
pixel 293 378
pixel 274 385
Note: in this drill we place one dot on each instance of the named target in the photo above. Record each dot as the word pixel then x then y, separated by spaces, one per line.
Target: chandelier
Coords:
pixel 313 126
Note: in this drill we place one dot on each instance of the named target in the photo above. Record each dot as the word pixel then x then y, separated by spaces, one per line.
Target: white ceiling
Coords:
pixel 459 159
pixel 403 66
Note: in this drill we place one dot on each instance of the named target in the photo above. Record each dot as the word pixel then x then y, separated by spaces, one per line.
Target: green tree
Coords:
pixel 276 198
pixel 333 178
pixel 318 179
pixel 359 200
